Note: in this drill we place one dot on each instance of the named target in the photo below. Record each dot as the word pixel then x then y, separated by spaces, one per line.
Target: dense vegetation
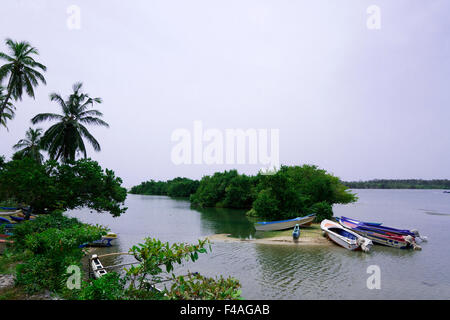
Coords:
pixel 48 248
pixel 178 187
pixel 399 184
pixel 292 191
pixel 49 186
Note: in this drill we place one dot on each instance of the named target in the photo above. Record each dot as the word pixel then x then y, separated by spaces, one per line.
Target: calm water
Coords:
pixel 293 272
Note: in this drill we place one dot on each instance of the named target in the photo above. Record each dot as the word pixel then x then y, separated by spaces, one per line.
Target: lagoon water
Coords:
pixel 298 272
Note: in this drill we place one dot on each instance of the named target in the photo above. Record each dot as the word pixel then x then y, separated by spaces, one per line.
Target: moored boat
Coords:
pixel 392 237
pixel 105 241
pixel 345 237
pixel 284 224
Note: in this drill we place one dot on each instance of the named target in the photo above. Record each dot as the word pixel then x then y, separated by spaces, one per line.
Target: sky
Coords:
pixel 363 94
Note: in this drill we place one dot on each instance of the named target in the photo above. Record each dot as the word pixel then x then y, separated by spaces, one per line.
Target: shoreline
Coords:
pixel 283 240
pixel 309 236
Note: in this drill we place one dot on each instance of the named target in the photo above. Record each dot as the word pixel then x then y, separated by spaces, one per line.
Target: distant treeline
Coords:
pixel 178 187
pixel 292 191
pixel 399 184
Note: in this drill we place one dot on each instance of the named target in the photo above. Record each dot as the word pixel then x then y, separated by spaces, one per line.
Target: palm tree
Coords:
pixel 65 139
pixel 8 111
pixel 21 69
pixel 31 145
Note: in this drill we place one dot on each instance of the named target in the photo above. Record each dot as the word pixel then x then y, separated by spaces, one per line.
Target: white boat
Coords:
pixel 345 237
pixel 284 224
pixel 97 267
pixel 10 213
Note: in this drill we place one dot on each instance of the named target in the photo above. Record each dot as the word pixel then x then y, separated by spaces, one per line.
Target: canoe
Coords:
pixel 386 236
pixel 345 237
pixel 296 232
pixel 9 213
pixel 284 224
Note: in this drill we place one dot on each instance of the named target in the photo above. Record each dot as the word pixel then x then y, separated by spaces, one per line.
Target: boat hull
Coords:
pixel 285 224
pixel 344 237
pixel 387 239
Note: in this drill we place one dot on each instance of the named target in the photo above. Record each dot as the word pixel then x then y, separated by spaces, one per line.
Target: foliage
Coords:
pixel 7 113
pixel 51 244
pixel 290 192
pixel 178 187
pixel 399 184
pixel 223 189
pixel 298 190
pixel 30 146
pixel 23 72
pixel 196 286
pixel 157 261
pixel 110 286
pixel 62 186
pixel 64 140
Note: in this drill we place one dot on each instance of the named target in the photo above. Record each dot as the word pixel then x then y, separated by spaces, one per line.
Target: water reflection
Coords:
pixel 219 220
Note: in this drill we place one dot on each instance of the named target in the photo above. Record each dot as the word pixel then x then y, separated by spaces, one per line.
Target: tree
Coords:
pixel 7 112
pixel 22 70
pixel 65 138
pixel 31 145
pixel 52 186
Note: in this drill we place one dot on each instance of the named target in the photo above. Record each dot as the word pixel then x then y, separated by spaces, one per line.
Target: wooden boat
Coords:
pixel 296 232
pixel 284 224
pixel 396 238
pixel 345 237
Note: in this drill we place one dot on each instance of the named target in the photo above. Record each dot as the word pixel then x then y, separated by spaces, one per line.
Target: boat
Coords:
pixel 105 241
pixel 9 208
pixel 396 238
pixel 5 220
pixel 97 267
pixel 296 232
pixel 345 237
pixel 368 223
pixel 9 213
pixel 20 219
pixel 284 224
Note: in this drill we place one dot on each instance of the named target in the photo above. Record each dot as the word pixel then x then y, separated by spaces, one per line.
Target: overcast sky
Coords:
pixel 361 103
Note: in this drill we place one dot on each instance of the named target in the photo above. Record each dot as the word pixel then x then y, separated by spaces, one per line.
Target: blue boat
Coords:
pixel 284 224
pixel 9 208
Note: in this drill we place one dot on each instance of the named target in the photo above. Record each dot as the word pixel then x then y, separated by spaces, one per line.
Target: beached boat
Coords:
pixel 392 237
pixel 9 213
pixel 284 224
pixel 296 232
pixel 345 237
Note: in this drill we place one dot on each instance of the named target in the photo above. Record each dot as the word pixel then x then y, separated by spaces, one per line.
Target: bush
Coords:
pixel 51 244
pixel 323 210
pixel 108 287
